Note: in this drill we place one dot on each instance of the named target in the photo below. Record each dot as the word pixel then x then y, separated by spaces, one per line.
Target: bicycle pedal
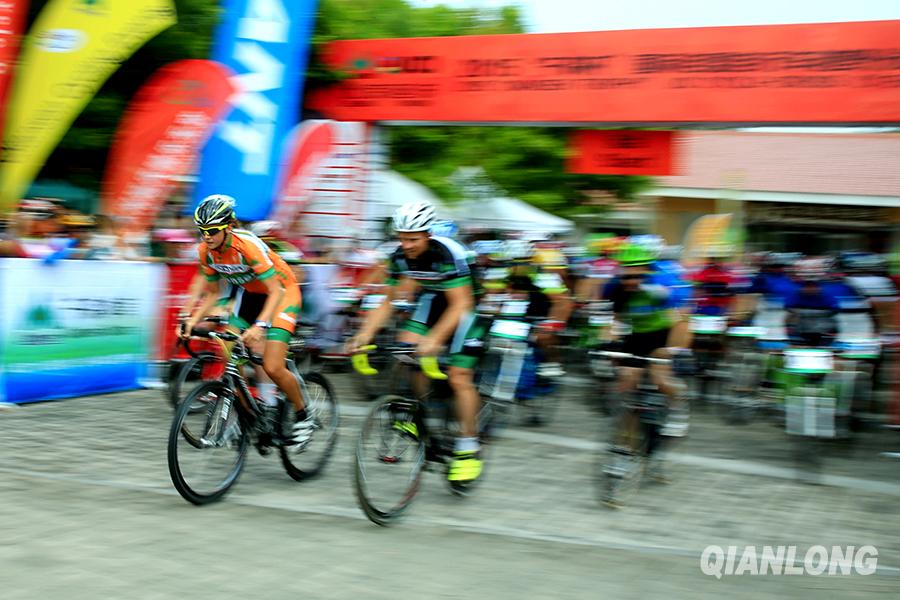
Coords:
pixel 613 504
pixel 615 472
pixel 263 447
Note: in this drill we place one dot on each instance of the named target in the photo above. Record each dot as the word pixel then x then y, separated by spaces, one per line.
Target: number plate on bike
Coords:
pixel 749 332
pixel 600 320
pixel 549 281
pixel 372 301
pixel 513 330
pixel 515 308
pixel 496 274
pixel 344 295
pixel 808 361
pixel 708 324
pixel 862 348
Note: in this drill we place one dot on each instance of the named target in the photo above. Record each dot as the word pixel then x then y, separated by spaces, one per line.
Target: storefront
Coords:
pixel 803 192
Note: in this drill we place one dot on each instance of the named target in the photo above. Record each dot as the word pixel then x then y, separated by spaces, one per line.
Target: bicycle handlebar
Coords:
pixel 626 356
pixel 221 337
pixel 428 364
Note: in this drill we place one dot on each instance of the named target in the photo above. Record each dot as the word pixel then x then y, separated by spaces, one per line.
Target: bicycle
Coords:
pixel 218 420
pixel 509 368
pixel 818 402
pixel 621 464
pixel 405 435
pixel 744 369
pixel 708 350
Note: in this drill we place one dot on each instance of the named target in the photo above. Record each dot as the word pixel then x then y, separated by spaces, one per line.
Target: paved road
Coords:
pixel 87 511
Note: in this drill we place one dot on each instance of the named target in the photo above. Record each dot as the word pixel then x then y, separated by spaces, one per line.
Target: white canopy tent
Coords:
pixel 392 190
pixel 389 190
pixel 508 214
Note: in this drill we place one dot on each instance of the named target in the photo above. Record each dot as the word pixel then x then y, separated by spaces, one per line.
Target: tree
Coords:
pixel 525 162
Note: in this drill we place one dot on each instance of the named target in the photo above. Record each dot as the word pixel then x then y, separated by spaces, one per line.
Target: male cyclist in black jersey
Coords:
pixel 440 271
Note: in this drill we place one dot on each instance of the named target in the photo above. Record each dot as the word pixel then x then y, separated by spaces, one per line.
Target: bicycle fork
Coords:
pixel 219 418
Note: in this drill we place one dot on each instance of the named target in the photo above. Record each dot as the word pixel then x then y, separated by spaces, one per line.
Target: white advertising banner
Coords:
pixel 76 327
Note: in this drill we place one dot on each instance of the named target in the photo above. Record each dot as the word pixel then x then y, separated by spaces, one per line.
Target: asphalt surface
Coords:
pixel 87 510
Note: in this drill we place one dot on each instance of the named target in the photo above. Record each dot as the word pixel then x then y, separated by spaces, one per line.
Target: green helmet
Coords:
pixel 630 255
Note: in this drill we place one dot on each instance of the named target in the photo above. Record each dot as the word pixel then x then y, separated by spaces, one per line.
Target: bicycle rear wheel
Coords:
pixel 389 459
pixel 207 447
pixel 322 406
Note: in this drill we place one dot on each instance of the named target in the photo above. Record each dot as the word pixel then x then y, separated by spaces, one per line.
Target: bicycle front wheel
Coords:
pixel 390 457
pixel 207 444
pixel 205 367
pixel 619 466
pixel 321 405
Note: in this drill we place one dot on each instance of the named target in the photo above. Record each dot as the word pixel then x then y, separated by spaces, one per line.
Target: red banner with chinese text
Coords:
pixel 621 153
pixel 787 74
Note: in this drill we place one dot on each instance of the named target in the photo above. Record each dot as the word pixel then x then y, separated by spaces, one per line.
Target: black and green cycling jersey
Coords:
pixel 444 265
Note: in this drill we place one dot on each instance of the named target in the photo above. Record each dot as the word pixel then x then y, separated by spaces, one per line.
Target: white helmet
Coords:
pixel 414 216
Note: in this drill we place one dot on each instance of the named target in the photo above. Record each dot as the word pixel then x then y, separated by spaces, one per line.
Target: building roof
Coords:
pixel 809 163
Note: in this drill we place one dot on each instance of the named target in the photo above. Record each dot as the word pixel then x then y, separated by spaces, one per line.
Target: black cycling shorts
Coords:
pixel 644 344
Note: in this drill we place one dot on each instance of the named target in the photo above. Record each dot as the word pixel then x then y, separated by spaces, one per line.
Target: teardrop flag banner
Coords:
pixel 70 51
pixel 160 137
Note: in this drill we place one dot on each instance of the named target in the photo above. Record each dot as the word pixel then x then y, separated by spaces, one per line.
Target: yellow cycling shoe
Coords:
pixel 407 427
pixel 465 467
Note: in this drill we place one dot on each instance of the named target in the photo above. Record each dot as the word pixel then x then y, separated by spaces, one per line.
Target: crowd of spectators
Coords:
pixel 49 230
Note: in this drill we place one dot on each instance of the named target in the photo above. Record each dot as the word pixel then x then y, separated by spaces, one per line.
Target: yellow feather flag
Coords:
pixel 706 233
pixel 70 51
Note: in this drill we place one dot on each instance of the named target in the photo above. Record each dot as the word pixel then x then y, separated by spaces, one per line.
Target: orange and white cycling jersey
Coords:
pixel 245 260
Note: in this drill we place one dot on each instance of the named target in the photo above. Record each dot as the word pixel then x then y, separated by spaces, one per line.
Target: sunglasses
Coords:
pixel 630 276
pixel 210 231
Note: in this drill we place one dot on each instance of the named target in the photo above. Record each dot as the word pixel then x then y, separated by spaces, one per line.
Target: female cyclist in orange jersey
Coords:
pixel 265 293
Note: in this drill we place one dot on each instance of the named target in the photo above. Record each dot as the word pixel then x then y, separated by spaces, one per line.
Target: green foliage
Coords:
pixel 374 19
pixel 524 162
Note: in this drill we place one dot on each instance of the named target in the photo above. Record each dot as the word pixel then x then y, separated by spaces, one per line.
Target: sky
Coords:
pixel 553 16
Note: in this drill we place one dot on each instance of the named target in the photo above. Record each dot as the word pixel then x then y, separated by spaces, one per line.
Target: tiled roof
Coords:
pixel 814 163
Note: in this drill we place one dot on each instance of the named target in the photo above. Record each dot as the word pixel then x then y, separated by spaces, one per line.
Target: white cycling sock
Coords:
pixel 267 393
pixel 467 444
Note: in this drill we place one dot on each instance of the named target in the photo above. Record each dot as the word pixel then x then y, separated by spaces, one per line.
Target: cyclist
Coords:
pixel 442 275
pixel 811 309
pixel 265 293
pixel 713 291
pixel 597 270
pixel 867 274
pixel 644 304
pixel 546 266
